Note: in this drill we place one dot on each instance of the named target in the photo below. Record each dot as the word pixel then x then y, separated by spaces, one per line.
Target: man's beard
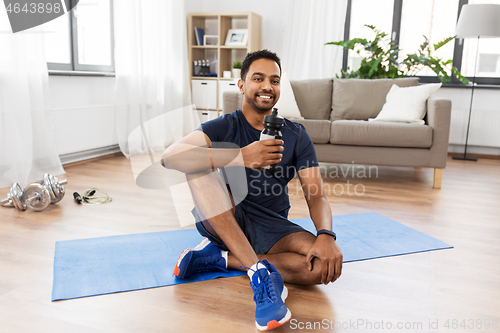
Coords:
pixel 263 108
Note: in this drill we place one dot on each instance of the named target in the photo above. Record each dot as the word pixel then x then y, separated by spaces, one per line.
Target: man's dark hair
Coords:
pixel 261 54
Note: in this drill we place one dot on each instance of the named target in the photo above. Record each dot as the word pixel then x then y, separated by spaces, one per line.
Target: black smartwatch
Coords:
pixel 327 232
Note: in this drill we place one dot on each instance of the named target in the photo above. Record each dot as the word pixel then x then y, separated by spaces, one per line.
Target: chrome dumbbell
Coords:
pixel 54 186
pixel 15 198
pixel 36 196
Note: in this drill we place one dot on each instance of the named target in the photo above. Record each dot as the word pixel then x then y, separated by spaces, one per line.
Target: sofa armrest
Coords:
pixel 439 118
pixel 231 101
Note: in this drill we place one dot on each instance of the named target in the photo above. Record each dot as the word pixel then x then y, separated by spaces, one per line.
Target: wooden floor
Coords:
pixel 413 291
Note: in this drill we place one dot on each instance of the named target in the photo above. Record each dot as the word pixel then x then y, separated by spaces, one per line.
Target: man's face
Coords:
pixel 261 87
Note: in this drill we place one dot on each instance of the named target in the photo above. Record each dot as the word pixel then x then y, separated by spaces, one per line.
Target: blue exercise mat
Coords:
pixel 97 266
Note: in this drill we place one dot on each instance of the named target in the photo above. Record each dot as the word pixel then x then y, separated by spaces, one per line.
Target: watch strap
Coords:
pixel 327 232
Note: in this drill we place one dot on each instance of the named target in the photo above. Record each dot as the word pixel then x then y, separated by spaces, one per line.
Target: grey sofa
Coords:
pixel 336 113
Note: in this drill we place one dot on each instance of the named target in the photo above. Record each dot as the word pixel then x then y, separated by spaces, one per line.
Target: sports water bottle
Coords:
pixel 272 125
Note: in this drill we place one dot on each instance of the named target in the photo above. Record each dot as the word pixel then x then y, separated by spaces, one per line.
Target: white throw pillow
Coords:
pixel 406 104
pixel 287 106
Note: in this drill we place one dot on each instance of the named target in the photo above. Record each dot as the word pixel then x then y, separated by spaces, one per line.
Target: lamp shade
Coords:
pixel 481 20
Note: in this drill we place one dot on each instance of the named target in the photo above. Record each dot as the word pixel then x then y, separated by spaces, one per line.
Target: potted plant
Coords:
pixel 382 59
pixel 236 69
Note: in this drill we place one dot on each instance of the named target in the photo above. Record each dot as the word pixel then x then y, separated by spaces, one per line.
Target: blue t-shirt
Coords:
pixel 267 189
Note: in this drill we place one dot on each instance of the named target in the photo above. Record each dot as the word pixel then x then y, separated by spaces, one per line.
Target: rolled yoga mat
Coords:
pixel 97 266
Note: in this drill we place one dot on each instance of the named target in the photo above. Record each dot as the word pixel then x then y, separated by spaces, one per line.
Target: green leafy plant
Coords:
pixel 383 62
pixel 237 64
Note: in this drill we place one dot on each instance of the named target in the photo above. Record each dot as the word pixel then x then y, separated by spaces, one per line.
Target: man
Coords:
pixel 255 233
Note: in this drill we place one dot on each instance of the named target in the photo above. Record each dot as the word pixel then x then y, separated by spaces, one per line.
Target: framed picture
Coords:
pixel 210 40
pixel 237 37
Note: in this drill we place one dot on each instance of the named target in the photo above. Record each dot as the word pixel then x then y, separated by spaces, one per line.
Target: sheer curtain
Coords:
pixel 27 142
pixel 311 24
pixel 152 79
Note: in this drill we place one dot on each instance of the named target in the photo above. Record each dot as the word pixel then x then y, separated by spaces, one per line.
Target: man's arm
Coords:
pixel 193 153
pixel 325 248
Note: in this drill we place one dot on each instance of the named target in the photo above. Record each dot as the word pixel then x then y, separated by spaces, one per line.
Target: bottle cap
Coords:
pixel 274 120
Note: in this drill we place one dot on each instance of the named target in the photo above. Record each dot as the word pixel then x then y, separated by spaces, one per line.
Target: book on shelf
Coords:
pixel 199 33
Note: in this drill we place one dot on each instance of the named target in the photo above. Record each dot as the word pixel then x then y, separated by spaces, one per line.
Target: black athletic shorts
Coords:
pixel 262 227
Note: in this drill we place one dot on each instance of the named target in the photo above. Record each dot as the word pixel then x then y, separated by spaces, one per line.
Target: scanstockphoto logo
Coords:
pixel 26 14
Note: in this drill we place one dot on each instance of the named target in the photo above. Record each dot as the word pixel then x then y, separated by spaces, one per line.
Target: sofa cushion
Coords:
pixel 361 99
pixel 407 104
pixel 314 97
pixel 318 130
pixel 380 134
pixel 287 105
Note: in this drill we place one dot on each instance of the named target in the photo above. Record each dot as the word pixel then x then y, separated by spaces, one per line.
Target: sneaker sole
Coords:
pixel 204 243
pixel 284 294
pixel 275 323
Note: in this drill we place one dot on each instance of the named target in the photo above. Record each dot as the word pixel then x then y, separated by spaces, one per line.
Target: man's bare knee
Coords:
pixel 195 175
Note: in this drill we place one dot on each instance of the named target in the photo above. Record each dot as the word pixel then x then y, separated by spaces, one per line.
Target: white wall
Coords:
pixel 82 107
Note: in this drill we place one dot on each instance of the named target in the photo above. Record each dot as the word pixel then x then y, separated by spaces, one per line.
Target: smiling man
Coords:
pixel 255 235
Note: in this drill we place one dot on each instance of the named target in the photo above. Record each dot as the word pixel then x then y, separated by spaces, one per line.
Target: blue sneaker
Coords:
pixel 206 257
pixel 282 290
pixel 269 295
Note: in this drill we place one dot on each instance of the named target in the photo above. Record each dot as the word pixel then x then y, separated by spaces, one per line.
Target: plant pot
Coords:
pixel 236 73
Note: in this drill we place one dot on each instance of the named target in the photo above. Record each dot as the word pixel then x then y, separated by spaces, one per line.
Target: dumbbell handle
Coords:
pixel 6 202
pixel 34 198
pixel 60 182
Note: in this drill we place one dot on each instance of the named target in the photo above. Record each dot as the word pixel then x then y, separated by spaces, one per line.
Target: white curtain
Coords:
pixel 152 76
pixel 27 142
pixel 311 24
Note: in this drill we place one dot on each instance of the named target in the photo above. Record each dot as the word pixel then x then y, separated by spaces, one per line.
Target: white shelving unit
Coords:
pixel 207 91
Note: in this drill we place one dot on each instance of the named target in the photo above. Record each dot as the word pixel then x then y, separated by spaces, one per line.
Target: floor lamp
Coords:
pixel 475 21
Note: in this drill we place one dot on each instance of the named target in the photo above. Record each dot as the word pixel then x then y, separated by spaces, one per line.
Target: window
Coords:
pixel 377 13
pixel 408 20
pixel 425 17
pixel 83 39
pixel 489 64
